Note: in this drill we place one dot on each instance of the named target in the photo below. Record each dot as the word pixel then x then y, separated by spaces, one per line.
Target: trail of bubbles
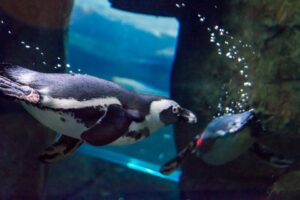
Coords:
pixel 40 52
pixel 229 47
pixel 226 43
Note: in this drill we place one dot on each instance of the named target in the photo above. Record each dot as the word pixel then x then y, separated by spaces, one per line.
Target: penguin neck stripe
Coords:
pixel 71 103
pixel 153 118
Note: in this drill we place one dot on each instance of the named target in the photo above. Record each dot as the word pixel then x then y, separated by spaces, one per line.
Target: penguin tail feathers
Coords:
pixel 177 161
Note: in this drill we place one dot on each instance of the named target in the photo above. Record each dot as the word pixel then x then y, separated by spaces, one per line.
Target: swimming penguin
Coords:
pixel 225 139
pixel 87 109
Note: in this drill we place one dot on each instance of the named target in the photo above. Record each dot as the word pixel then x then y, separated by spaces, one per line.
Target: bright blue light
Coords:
pixel 132 163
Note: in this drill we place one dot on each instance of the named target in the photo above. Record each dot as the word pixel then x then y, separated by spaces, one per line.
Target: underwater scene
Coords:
pixel 149 100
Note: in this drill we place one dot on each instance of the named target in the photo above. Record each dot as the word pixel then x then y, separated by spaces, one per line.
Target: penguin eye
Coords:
pixel 175 109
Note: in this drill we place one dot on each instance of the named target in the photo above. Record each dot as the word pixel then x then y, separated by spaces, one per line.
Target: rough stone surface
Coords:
pixel 22 137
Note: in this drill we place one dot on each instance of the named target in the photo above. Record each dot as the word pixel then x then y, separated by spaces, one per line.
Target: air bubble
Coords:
pixel 249 84
pixel 202 19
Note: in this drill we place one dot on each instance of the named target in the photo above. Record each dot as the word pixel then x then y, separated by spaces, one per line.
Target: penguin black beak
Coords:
pixel 187 116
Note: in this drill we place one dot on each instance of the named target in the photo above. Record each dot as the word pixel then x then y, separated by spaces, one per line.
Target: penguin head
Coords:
pixel 171 112
pixel 228 124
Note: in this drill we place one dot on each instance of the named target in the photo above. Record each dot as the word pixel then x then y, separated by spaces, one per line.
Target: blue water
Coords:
pixel 137 52
pixel 106 46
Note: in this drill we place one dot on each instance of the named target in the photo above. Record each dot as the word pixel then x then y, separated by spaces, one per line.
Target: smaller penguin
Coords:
pixel 225 139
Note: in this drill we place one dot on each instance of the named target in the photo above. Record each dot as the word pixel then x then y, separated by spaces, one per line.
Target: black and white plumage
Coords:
pixel 84 108
pixel 225 139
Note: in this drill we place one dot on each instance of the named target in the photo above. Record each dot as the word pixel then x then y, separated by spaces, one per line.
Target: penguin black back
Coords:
pixel 75 86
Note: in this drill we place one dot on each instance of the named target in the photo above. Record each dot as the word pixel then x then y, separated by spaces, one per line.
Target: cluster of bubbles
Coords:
pixel 229 47
pixel 38 50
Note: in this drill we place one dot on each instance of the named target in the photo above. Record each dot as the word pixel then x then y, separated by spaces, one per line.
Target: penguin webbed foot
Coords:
pixel 60 149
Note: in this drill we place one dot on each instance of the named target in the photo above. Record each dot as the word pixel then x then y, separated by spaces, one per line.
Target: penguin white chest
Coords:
pixel 60 122
pixel 228 148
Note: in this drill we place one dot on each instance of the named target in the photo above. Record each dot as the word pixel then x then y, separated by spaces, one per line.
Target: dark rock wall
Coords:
pixel 199 73
pixel 39 24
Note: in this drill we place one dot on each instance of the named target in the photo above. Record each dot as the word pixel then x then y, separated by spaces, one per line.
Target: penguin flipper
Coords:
pixel 10 88
pixel 273 159
pixel 60 149
pixel 177 161
pixel 110 127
